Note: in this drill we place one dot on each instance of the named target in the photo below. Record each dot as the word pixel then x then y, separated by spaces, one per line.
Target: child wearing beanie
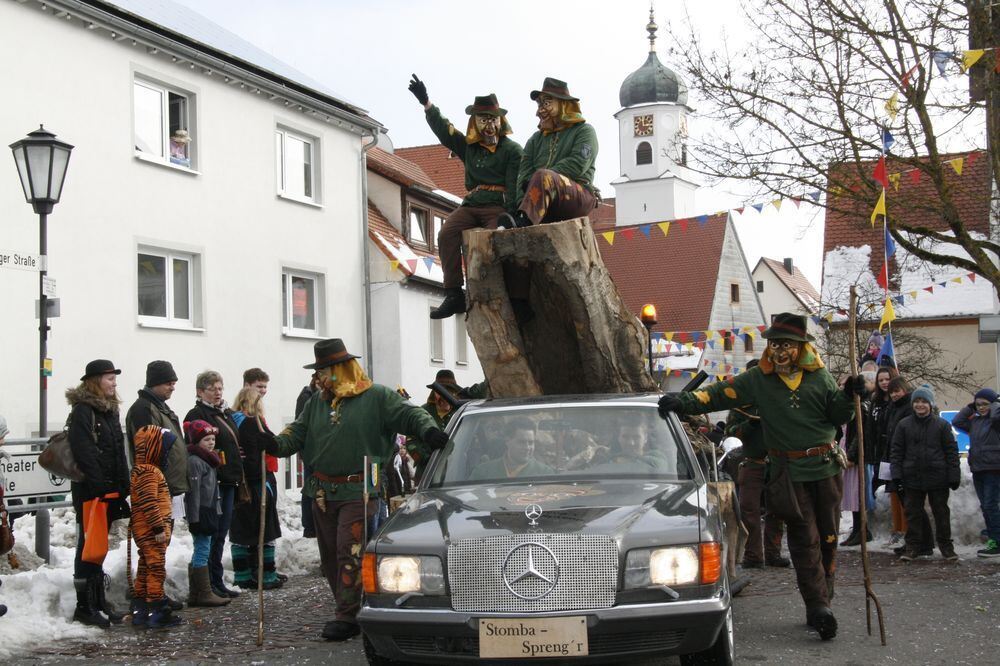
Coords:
pixel 981 419
pixel 202 506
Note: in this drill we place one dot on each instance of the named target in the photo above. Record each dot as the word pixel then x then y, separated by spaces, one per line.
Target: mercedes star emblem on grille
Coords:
pixel 533 512
pixel 530 570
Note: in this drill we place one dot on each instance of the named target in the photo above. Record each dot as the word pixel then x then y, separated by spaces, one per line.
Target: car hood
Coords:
pixel 635 513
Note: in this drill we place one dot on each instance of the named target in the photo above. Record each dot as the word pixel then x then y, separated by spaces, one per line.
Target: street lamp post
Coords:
pixel 41 161
pixel 648 318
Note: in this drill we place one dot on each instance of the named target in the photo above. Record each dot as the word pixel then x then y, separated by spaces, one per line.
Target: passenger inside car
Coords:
pixel 519 458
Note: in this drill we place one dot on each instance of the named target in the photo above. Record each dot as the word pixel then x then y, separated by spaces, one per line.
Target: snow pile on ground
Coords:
pixel 40 598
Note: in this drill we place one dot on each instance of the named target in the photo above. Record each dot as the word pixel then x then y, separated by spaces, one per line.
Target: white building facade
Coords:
pixel 211 214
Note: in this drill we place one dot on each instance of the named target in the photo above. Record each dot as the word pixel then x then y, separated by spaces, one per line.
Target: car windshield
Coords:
pixel 545 443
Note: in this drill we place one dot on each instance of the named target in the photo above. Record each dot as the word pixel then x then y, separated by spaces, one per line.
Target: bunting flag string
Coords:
pixel 904 297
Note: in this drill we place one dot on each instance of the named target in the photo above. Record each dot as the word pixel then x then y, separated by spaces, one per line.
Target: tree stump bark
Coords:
pixel 582 338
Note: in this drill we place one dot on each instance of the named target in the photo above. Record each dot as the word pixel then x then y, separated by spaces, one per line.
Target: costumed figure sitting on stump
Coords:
pixel 491 162
pixel 800 407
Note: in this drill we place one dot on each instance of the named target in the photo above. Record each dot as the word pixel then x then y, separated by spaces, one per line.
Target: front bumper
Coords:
pixel 442 636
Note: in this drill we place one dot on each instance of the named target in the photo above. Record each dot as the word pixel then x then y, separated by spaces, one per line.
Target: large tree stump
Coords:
pixel 582 339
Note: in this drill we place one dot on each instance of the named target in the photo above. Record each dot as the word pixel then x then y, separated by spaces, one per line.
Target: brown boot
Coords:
pixel 200 589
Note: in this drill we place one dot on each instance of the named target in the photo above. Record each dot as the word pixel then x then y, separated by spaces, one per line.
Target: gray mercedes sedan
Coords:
pixel 572 528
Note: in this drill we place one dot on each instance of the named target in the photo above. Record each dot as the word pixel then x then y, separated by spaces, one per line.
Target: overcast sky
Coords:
pixel 366 51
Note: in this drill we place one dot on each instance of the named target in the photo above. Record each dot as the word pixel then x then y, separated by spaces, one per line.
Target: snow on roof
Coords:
pixel 843 266
pixel 449 196
pixel 195 27
pixel 680 358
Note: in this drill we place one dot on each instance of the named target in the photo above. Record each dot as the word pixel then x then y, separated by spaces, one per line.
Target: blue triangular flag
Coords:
pixel 943 284
pixel 898 300
pixel 702 219
pixel 887 352
pixel 645 229
pixel 429 262
pixel 758 207
pixel 814 195
pixel 890 245
pixel 941 59
pixel 887 140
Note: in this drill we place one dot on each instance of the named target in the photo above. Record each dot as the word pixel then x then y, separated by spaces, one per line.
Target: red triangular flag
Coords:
pixel 411 264
pixel 906 77
pixel 628 233
pixel 880 174
pixel 972 276
pixel 971 158
pixel 683 224
pixel 915 176
pixel 883 276
pixel 929 289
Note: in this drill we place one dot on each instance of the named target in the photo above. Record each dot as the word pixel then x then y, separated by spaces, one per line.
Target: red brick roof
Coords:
pixel 391 239
pixel 796 282
pixel 604 216
pixel 848 215
pixel 398 169
pixel 677 272
pixel 440 164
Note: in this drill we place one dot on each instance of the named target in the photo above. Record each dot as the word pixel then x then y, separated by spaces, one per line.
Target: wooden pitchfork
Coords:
pixel 870 597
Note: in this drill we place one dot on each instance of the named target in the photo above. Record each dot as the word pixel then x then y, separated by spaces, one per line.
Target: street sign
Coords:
pixel 24 477
pixel 49 286
pixel 22 262
pixel 51 308
pixel 962 438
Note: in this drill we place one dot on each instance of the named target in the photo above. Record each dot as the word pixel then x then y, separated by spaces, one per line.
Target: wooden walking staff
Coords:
pixel 260 543
pixel 863 478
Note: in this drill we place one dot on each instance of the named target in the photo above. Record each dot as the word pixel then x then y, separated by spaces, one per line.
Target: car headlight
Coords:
pixel 682 565
pixel 411 573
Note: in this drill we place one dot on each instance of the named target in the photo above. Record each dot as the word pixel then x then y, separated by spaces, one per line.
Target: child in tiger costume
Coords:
pixel 151 526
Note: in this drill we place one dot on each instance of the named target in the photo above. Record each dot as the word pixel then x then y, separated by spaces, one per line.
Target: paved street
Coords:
pixel 936 613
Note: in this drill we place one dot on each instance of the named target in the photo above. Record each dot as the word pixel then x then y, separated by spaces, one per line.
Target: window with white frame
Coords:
pixel 436 228
pixel 166 287
pixel 162 118
pixel 461 342
pixel 436 339
pixel 300 299
pixel 296 165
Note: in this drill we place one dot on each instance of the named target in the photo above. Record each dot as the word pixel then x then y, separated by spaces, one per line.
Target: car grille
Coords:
pixel 635 641
pixel 587 573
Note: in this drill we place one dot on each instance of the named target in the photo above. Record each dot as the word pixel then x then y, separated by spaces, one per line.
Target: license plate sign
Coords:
pixel 532 638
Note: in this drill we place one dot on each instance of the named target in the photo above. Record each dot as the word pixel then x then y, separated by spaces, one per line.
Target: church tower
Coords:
pixel 654 184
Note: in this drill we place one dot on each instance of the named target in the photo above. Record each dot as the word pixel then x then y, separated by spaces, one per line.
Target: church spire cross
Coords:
pixel 651 29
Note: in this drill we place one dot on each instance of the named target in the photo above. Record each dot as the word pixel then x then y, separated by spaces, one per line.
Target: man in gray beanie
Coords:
pixel 150 408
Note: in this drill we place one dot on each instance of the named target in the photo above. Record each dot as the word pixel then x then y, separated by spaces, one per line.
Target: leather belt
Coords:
pixel 757 461
pixel 489 188
pixel 357 477
pixel 808 453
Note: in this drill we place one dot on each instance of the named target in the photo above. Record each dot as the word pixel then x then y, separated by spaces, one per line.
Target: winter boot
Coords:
pixel 948 552
pixel 822 620
pixel 453 303
pixel 114 615
pixel 992 549
pixel 140 613
pixel 3 610
pixel 86 609
pixel 160 615
pixel 339 630
pixel 201 590
pixel 853 539
pixel 778 561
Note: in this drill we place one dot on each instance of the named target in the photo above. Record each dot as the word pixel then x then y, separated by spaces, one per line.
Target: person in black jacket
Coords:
pixel 98 445
pixel 212 408
pixel 981 419
pixel 899 408
pixel 924 460
pixel 851 473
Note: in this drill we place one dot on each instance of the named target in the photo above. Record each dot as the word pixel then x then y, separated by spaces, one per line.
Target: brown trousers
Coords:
pixel 751 485
pixel 812 540
pixel 449 239
pixel 340 536
pixel 551 197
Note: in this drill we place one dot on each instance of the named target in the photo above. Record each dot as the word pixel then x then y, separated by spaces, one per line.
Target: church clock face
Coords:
pixel 643 125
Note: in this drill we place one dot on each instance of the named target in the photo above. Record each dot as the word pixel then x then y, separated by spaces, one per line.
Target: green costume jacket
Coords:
pixel 792 420
pixel 497 469
pixel 482 167
pixel 571 152
pixel 368 424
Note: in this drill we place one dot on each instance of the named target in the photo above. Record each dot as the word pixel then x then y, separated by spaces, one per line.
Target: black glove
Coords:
pixel 669 403
pixel 954 485
pixel 271 446
pixel 855 386
pixel 418 89
pixel 436 438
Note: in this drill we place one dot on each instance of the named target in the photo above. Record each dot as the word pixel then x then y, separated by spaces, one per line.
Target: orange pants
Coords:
pixel 152 569
pixel 898 514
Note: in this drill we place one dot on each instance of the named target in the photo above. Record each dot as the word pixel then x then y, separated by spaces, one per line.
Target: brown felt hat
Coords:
pixel 329 352
pixel 555 88
pixel 444 378
pixel 486 105
pixel 788 326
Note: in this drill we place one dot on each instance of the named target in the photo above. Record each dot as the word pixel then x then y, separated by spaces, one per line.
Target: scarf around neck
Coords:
pixel 210 457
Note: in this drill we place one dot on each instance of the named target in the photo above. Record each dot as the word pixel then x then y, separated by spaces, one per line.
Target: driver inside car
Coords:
pixel 519 458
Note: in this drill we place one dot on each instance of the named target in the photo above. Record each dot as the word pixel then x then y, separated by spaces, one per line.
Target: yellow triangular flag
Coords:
pixel 393 264
pixel 609 236
pixel 669 336
pixel 957 164
pixel 829 316
pixel 664 227
pixel 912 294
pixel 970 58
pixel 777 204
pixel 879 208
pixel 888 314
pixel 957 280
pixel 892 105
pixel 894 179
